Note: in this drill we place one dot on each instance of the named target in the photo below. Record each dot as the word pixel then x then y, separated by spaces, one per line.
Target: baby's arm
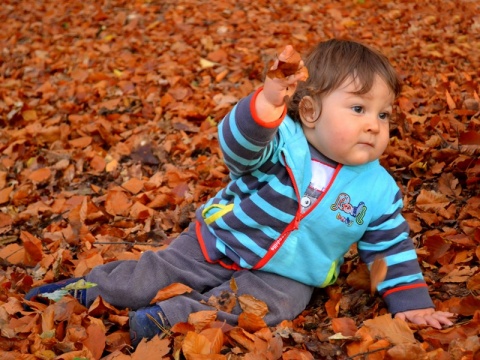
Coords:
pixel 427 317
pixel 270 102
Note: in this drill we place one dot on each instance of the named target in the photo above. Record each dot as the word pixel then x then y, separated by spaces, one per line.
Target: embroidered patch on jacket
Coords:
pixel 343 204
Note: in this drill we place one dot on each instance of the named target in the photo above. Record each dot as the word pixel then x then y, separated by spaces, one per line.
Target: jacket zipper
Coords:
pixel 277 244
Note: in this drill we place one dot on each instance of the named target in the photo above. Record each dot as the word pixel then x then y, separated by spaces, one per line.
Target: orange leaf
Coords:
pixel 156 348
pixel 5 194
pixel 33 248
pixel 133 185
pixel 469 138
pixel 216 338
pixel 473 283
pixel 182 328
pixel 40 175
pixel 195 344
pixel 117 203
pixel 451 104
pixel 201 319
pixel 243 338
pixel 251 322
pixel 297 354
pixel 395 330
pixel 48 322
pixel 81 142
pixel 140 211
pixel 378 271
pixel 344 326
pixel 29 115
pixel 96 337
pixel 97 163
pixel 250 304
pixel 170 291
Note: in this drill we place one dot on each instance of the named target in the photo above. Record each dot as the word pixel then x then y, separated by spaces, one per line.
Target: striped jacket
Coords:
pixel 256 222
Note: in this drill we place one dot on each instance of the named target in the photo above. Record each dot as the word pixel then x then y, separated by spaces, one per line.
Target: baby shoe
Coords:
pixel 81 295
pixel 143 327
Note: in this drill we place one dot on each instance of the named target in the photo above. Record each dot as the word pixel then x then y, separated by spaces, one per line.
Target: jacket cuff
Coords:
pixel 271 124
pixel 408 298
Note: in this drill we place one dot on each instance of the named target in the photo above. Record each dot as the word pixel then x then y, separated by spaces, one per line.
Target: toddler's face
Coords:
pixel 353 129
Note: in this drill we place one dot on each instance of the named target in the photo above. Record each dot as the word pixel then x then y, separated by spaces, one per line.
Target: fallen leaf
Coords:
pixel 170 291
pixel 378 272
pixel 395 330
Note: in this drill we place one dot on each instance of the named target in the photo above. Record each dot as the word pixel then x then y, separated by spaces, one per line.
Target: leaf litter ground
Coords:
pixel 108 145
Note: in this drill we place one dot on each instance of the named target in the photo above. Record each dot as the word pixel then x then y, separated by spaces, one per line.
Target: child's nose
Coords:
pixel 372 123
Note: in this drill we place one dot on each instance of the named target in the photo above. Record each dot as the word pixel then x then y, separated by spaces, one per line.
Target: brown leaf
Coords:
pixel 289 66
pixel 406 352
pixel 395 330
pixel 378 272
pixel 216 339
pixel 450 102
pixel 251 322
pixel 117 203
pixel 250 304
pixel 226 301
pixel 202 319
pixel 81 142
pixel 96 338
pixel 33 248
pixel 344 326
pixel 297 354
pixel 5 194
pixel 170 291
pixel 133 185
pixel 154 349
pixel 41 175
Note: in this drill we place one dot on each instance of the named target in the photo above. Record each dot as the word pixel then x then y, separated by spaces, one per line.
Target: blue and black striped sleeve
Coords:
pixel 404 287
pixel 246 143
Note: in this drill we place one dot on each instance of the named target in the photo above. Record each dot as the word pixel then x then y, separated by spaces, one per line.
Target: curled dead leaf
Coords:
pixel 170 291
pixel 378 272
pixel 250 304
pixel 289 66
pixel 251 322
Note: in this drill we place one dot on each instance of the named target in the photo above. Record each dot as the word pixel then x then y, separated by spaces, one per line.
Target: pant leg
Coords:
pixel 285 298
pixel 133 284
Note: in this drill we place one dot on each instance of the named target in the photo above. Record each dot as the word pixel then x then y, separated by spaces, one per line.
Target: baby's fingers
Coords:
pixel 444 318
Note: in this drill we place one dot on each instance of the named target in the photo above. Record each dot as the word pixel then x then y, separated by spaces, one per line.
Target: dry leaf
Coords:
pixel 250 304
pixel 170 291
pixel 251 322
pixel 202 319
pixel 289 66
pixel 378 272
pixel 395 330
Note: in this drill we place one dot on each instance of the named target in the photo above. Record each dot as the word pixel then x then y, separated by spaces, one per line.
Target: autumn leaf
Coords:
pixel 250 304
pixel 378 272
pixel 289 66
pixel 395 330
pixel 109 144
pixel 251 322
pixel 170 291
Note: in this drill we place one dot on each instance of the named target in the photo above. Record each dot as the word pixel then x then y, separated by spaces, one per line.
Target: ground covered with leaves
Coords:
pixel 108 144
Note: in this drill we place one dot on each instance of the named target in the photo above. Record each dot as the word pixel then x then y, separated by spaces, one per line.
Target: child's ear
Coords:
pixel 309 111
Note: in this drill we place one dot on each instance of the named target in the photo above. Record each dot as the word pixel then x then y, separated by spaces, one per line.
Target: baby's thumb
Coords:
pixel 400 316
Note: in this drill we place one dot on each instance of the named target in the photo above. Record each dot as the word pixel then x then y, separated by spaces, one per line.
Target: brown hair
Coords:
pixel 333 61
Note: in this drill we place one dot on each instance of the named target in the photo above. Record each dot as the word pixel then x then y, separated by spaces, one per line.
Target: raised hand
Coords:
pixel 280 83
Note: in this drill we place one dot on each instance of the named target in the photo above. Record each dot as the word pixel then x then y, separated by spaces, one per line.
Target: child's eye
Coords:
pixel 384 116
pixel 358 109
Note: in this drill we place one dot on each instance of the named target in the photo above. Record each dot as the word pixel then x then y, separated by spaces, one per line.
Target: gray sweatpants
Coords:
pixel 133 284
